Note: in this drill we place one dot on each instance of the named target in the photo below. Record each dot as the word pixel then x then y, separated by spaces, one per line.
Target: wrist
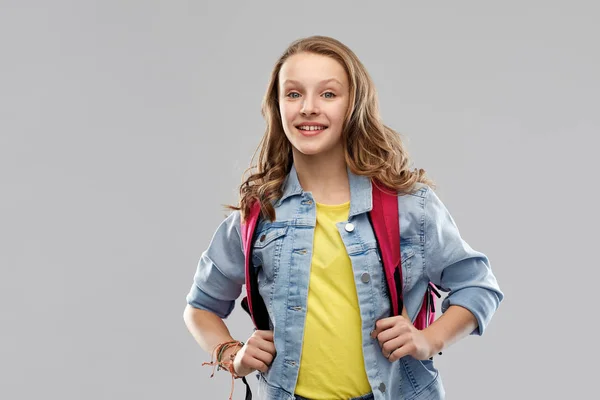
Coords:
pixel 230 353
pixel 223 350
pixel 436 344
pixel 224 354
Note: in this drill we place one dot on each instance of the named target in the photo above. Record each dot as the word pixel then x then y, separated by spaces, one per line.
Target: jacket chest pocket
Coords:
pixel 266 253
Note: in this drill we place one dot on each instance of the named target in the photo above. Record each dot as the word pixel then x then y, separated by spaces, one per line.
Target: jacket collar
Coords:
pixel 361 200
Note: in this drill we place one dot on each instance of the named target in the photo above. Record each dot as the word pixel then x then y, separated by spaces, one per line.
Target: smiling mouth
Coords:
pixel 311 128
pixel 311 131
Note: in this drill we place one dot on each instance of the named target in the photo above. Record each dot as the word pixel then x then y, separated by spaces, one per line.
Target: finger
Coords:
pixel 250 362
pixel 269 347
pixel 407 347
pixel 382 325
pixel 388 334
pixel 265 345
pixel 401 352
pixel 261 355
pixel 266 335
pixel 386 323
pixel 390 346
pixel 405 313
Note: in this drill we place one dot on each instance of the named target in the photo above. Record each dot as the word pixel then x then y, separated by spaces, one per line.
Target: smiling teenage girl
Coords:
pixel 331 335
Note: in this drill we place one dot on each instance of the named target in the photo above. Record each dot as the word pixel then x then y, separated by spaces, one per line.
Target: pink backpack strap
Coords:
pixel 253 302
pixel 386 225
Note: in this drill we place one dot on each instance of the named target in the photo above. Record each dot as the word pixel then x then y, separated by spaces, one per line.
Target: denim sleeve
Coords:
pixel 220 272
pixel 454 266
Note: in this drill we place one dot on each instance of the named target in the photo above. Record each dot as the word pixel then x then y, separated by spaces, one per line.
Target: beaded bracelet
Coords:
pixel 225 364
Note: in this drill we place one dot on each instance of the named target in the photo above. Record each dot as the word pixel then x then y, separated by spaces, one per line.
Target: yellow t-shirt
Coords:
pixel 332 363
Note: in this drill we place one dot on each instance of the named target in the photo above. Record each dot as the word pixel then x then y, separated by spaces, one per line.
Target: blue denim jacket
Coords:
pixel 432 250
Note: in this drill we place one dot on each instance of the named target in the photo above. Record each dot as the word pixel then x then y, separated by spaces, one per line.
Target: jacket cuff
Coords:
pixel 199 299
pixel 481 302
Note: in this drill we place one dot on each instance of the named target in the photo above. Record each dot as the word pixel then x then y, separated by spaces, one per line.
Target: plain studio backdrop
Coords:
pixel 126 125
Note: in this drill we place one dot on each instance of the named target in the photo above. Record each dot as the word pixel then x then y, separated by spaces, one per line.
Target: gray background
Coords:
pixel 125 125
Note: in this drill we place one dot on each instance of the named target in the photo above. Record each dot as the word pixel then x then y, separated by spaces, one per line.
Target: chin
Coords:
pixel 308 151
pixel 312 150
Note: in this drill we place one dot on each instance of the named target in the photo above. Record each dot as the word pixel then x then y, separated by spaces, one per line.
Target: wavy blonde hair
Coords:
pixel 371 148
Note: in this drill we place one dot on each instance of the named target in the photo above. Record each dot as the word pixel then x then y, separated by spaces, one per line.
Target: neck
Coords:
pixel 324 175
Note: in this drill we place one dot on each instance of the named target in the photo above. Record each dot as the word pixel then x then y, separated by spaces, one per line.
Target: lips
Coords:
pixel 311 125
pixel 312 132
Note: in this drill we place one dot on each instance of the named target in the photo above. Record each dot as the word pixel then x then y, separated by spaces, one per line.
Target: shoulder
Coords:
pixel 425 197
pixel 228 231
pixel 415 198
pixel 233 220
pixel 422 211
pixel 411 210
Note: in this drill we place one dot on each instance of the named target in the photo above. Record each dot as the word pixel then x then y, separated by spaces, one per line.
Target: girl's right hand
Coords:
pixel 257 354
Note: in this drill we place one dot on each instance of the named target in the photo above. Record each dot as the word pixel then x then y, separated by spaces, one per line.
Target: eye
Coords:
pixel 292 93
pixel 330 97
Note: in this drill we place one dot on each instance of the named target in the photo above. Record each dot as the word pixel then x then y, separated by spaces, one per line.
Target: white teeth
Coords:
pixel 310 128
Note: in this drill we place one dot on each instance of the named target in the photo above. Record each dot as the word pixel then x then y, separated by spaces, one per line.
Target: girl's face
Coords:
pixel 313 99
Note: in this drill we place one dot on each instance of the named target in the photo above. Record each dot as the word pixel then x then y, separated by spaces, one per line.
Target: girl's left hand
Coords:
pixel 398 337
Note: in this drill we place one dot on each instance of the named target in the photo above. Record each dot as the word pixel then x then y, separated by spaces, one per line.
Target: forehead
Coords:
pixel 310 69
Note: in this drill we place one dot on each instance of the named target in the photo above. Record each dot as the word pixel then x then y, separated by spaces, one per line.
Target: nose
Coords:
pixel 309 106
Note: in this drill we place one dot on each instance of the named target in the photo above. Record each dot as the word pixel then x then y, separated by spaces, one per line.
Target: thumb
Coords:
pixel 405 313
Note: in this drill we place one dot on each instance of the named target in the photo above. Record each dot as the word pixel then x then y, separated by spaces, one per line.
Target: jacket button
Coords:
pixel 349 227
pixel 382 387
pixel 365 277
pixel 263 237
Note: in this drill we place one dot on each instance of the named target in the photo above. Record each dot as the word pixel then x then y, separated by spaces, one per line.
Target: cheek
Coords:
pixel 338 113
pixel 286 121
pixel 286 114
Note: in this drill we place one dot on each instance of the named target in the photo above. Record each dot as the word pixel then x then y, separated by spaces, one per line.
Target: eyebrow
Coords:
pixel 322 82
